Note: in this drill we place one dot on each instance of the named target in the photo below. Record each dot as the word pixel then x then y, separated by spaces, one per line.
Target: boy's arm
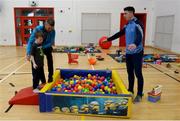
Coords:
pixel 33 62
pixel 30 42
pixel 32 53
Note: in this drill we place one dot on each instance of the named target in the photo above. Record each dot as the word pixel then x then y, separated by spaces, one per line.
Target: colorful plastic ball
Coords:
pixel 114 88
pixel 53 89
pixel 86 90
pixel 79 87
pixel 91 88
pixel 110 85
pixel 109 90
pixel 105 83
pixel 75 76
pixel 76 89
pixel 102 78
pixel 89 76
pixel 99 85
pixel 58 89
pixel 94 77
pixel 102 87
pixel 71 82
pixel 105 88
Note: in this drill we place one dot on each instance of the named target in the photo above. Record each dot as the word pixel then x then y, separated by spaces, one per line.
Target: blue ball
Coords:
pixel 62 85
pixel 99 85
pixel 106 92
pixel 53 89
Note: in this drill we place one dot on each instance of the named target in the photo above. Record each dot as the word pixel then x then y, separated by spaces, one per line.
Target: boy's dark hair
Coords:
pixel 39 34
pixel 130 9
pixel 51 22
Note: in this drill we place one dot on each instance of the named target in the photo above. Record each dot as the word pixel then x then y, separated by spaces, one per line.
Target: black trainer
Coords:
pixel 137 99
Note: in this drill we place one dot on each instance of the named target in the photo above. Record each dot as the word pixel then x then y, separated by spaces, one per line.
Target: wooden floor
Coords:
pixel 14 69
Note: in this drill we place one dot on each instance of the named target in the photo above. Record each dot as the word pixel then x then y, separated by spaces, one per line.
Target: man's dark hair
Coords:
pixel 130 9
pixel 39 34
pixel 50 21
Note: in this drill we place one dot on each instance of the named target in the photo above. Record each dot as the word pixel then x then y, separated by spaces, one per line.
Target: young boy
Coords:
pixel 49 38
pixel 37 59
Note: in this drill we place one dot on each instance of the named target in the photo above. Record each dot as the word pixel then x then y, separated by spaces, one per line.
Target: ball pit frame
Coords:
pixel 46 97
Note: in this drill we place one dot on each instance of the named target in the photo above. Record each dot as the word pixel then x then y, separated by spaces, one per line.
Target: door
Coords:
pixel 141 17
pixel 26 19
pixel 27 26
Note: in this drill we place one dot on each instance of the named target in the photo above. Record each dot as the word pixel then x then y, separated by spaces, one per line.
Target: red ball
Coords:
pixel 86 85
pixel 90 88
pixel 83 85
pixel 99 82
pixel 93 84
pixel 83 81
pixel 102 87
pixel 102 78
pixel 94 77
pixel 105 45
pixel 76 89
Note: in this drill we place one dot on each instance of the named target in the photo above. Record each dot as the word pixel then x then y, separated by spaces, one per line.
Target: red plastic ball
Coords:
pixel 105 45
pixel 102 87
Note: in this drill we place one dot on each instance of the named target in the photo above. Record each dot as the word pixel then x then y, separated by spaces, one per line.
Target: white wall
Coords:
pixel 165 8
pixel 71 19
pixel 115 7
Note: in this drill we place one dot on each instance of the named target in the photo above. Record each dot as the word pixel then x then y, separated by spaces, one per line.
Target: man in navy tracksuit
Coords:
pixel 134 50
pixel 48 40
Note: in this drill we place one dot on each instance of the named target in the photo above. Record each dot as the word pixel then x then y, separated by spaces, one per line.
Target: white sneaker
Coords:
pixel 36 90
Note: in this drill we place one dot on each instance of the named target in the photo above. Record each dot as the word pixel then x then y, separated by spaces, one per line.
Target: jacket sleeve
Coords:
pixel 31 41
pixel 118 34
pixel 139 34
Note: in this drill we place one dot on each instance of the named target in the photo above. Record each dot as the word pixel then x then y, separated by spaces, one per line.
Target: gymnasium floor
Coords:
pixel 15 70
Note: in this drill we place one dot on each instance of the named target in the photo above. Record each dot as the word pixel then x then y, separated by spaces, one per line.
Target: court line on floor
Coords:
pixel 6 77
pixel 17 73
pixel 12 64
pixel 165 73
pixel 6 58
pixel 22 73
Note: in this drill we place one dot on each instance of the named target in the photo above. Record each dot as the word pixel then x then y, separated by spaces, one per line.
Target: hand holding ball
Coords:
pixel 103 43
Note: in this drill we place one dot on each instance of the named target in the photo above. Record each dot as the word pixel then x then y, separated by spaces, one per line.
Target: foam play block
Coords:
pixel 154 98
pixel 25 96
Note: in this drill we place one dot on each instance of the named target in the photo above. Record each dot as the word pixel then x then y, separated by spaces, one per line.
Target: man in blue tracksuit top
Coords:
pixel 134 50
pixel 49 36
